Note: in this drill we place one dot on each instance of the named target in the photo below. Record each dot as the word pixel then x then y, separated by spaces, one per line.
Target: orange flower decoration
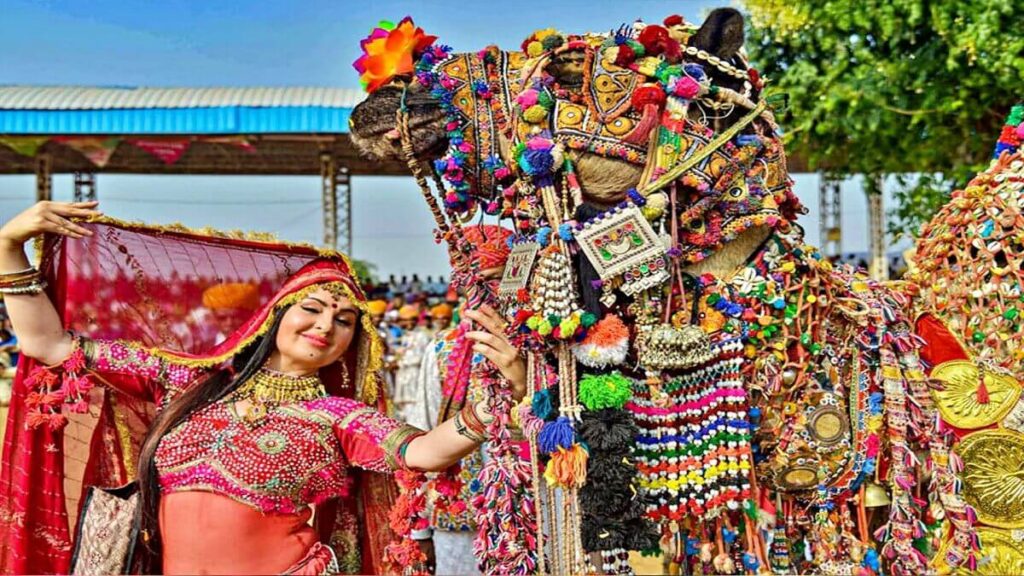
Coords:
pixel 390 51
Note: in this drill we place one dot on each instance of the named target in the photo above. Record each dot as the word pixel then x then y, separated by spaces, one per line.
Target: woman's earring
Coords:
pixel 345 380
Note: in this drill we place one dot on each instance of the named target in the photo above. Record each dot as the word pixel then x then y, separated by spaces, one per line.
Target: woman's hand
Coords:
pixel 494 345
pixel 52 217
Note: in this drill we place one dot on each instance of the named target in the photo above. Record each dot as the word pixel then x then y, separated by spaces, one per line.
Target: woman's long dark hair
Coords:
pixel 245 363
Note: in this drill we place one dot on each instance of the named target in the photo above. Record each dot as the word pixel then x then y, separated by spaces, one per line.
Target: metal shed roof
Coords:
pixel 104 98
pixel 162 111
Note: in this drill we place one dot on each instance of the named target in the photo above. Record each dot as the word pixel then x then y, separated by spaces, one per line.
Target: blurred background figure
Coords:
pixel 409 351
pixel 440 316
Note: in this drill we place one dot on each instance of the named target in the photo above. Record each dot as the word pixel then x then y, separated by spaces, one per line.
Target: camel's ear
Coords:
pixel 721 34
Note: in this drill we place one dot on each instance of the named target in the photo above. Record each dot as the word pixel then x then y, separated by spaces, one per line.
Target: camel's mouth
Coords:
pixel 374 124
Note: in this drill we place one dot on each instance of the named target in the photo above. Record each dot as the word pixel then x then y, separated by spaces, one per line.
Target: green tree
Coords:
pixel 880 87
pixel 365 271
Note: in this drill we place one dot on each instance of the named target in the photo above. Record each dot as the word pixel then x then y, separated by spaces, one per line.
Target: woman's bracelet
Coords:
pixel 465 431
pixel 30 289
pixel 28 281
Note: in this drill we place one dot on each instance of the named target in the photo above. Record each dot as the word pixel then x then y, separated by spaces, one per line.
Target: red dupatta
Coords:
pixel 146 284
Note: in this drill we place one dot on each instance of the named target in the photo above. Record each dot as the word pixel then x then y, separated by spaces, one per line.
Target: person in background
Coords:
pixel 440 317
pixel 408 355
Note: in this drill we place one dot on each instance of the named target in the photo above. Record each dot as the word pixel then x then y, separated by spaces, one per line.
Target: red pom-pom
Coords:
pixel 674 20
pixel 653 38
pixel 625 57
pixel 673 52
pixel 755 77
pixel 648 94
pixel 1009 136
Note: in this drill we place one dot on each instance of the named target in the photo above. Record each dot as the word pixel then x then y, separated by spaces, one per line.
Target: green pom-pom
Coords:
pixel 598 392
pixel 637 47
pixel 588 319
pixel 555 319
pixel 544 99
pixel 1016 114
pixel 552 42
pixel 544 328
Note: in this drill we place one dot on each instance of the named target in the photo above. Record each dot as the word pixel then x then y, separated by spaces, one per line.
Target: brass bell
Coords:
pixel 875 496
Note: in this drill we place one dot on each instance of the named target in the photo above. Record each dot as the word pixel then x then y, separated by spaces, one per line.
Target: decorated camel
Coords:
pixel 704 382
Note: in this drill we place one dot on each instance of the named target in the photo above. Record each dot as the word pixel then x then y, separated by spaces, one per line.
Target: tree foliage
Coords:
pixel 881 87
pixel 365 271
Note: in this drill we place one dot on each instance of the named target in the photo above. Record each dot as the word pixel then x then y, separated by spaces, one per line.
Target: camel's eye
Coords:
pixel 737 193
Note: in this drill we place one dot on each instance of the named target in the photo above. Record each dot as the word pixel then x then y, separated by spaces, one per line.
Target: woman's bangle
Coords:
pixel 32 288
pixel 20 279
pixel 472 420
pixel 465 431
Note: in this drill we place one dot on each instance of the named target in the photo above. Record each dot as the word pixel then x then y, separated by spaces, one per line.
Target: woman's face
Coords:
pixel 315 332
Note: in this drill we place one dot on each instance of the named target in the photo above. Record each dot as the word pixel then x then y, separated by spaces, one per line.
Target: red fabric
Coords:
pixel 146 284
pixel 490 244
pixel 940 344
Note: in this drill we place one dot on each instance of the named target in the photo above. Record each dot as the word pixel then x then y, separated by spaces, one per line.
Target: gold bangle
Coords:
pixel 19 279
pixel 31 289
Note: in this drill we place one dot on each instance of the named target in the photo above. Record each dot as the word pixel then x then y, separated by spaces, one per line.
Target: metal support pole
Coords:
pixel 876 222
pixel 328 192
pixel 336 192
pixel 830 215
pixel 44 180
pixel 85 186
pixel 343 193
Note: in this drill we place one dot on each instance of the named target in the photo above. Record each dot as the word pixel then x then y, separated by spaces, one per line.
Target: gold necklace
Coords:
pixel 272 387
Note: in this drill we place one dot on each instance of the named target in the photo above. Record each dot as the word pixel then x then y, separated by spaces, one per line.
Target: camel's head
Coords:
pixel 620 109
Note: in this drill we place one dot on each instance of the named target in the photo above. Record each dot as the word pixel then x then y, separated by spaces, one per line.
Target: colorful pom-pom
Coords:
pixel 597 392
pixel 541 404
pixel 606 343
pixel 556 434
pixel 567 467
pixel 543 236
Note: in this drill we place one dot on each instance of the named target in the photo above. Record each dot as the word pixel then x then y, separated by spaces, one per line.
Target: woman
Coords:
pixel 235 458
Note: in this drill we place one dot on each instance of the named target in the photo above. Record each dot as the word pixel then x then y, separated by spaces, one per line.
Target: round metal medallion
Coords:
pixel 828 425
pixel 993 476
pixel 798 478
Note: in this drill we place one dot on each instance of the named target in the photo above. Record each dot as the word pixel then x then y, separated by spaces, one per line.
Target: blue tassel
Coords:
pixel 565 232
pixel 543 236
pixel 541 404
pixel 555 435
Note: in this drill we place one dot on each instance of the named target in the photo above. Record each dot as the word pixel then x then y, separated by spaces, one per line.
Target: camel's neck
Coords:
pixel 730 257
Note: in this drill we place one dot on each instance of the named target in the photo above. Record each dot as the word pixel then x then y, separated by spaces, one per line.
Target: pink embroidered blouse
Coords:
pixel 296 455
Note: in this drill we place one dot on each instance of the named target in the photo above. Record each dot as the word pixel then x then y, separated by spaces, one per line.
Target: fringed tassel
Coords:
pixel 567 468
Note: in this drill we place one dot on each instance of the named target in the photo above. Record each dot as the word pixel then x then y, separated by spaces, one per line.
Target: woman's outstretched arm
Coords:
pixel 34 318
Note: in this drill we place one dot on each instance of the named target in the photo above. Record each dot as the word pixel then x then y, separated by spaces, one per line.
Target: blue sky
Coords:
pixel 284 43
